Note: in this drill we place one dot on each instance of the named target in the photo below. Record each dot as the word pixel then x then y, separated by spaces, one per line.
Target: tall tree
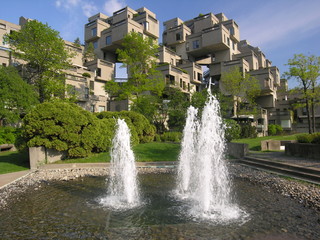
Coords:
pixel 306 70
pixel 16 96
pixel 77 42
pixel 242 86
pixel 45 57
pixel 89 54
pixel 138 54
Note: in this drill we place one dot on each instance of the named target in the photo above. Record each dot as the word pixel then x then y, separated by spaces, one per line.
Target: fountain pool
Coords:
pixel 71 210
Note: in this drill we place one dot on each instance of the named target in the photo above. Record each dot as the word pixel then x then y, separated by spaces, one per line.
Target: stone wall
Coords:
pixel 237 150
pixel 41 155
pixel 305 150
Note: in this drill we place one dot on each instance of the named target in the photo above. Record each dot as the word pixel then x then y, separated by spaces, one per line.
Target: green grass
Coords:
pixel 147 152
pixel 255 143
pixel 13 162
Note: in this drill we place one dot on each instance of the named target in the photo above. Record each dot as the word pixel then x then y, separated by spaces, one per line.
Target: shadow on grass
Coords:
pixel 14 161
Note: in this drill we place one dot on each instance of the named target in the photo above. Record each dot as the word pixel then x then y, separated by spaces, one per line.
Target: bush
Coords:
pixel 144 130
pixel 274 129
pixel 248 131
pixel 233 130
pixel 66 127
pixel 171 137
pixel 8 135
pixel 309 138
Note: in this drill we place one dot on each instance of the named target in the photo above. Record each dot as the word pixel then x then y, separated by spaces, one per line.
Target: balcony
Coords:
pixel 216 38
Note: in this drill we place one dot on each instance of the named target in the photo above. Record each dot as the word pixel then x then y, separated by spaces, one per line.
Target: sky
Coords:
pixel 280 28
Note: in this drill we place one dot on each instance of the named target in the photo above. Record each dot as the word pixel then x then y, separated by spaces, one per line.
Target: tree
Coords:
pixel 45 55
pixel 89 54
pixel 16 96
pixel 138 54
pixel 77 42
pixel 243 87
pixel 306 70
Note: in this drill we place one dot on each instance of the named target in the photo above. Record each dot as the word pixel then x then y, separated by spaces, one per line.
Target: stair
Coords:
pixel 307 174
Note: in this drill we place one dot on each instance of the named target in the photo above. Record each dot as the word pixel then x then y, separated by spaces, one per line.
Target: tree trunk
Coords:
pixel 308 115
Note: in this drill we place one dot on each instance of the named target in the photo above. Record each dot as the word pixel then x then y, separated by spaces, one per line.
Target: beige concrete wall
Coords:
pixel 41 155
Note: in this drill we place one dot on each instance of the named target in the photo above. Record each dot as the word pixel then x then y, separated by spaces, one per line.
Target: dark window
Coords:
pixel 86 92
pixel 108 40
pixel 178 36
pixel 98 72
pixel 195 44
pixel 93 31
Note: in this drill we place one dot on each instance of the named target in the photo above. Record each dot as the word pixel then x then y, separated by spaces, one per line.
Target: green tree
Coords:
pixel 89 54
pixel 16 96
pixel 306 70
pixel 77 42
pixel 45 55
pixel 138 54
pixel 243 87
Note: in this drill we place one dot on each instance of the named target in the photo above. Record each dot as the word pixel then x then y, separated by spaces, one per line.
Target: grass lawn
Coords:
pixel 255 143
pixel 13 162
pixel 147 152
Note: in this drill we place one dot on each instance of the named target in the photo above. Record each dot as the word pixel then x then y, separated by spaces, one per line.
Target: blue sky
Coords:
pixel 280 28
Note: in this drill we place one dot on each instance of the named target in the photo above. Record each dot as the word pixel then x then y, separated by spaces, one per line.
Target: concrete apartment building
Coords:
pixel 210 40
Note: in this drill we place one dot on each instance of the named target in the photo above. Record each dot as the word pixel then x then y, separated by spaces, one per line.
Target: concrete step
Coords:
pixel 307 174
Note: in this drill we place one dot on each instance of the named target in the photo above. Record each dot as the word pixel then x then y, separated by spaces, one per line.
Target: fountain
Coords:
pixel 203 177
pixel 123 190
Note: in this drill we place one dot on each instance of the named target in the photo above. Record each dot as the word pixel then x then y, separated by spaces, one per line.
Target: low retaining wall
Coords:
pixel 275 145
pixel 237 150
pixel 41 155
pixel 305 150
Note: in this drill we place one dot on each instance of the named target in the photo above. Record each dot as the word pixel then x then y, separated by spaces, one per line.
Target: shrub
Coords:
pixel 144 130
pixel 157 138
pixel 171 137
pixel 85 74
pixel 8 135
pixel 304 138
pixel 233 130
pixel 316 138
pixel 66 127
pixel 274 129
pixel 248 131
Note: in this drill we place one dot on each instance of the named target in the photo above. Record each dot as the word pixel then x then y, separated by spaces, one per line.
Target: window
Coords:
pixel 91 85
pixel 172 61
pixel 86 92
pixel 108 40
pixel 4 64
pixel 98 72
pixel 92 108
pixel 184 86
pixel 195 44
pixel 146 25
pixel 94 32
pixel 102 108
pixel 95 44
pixel 228 41
pixel 199 76
pixel 178 36
pixel 2 26
pixel 180 82
pixel 188 87
pixel 187 46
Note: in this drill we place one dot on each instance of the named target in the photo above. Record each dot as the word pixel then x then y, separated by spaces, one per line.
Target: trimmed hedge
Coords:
pixel 169 137
pixel 309 138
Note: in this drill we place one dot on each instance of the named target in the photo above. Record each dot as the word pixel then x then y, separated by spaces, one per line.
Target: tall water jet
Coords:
pixel 187 153
pixel 203 177
pixel 123 190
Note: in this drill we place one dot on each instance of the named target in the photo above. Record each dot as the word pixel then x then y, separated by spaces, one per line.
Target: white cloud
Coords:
pixel 111 6
pixel 89 9
pixel 274 24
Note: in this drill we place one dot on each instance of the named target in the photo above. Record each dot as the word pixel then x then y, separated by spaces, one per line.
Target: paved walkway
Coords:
pixel 11 177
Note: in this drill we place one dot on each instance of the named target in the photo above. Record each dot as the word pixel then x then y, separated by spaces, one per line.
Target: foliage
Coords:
pixel 147 105
pixel 16 96
pixel 8 134
pixel 45 55
pixel 274 129
pixel 77 42
pixel 53 125
pixel 177 109
pixel 86 75
pixel 248 131
pixel 89 54
pixel 171 137
pixel 138 54
pixel 242 86
pixel 233 130
pixel 309 138
pixel 141 129
pixel 306 70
